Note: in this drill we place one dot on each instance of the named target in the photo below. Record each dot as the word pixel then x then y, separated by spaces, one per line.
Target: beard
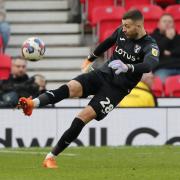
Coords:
pixel 133 35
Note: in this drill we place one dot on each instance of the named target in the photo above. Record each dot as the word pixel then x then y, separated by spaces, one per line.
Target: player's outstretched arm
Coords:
pixel 100 49
pixel 87 63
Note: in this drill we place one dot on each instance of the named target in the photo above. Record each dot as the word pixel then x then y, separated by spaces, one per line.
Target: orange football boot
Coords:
pixel 50 163
pixel 27 105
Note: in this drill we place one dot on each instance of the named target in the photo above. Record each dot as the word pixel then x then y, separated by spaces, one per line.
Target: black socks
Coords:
pixel 69 135
pixel 54 96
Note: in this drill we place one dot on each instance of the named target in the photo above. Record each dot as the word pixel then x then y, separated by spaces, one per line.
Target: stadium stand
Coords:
pixel 172 86
pixel 107 12
pixel 48 20
pixel 109 19
pixel 90 5
pixel 174 10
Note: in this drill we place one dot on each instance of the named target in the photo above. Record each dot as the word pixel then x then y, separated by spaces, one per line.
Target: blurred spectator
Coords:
pixel 18 85
pixel 40 80
pixel 4 26
pixel 141 95
pixel 169 44
pixel 75 11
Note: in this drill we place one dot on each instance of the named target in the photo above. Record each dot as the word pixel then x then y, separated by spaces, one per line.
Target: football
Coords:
pixel 33 49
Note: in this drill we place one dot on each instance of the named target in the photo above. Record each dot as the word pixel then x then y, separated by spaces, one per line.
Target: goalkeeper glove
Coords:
pixel 120 67
pixel 87 63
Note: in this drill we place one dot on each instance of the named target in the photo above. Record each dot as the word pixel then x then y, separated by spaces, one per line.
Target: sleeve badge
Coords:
pixel 154 52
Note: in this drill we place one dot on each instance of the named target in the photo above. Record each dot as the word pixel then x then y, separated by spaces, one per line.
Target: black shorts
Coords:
pixel 106 96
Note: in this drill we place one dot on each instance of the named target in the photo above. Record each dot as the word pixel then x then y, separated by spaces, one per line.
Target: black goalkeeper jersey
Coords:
pixel 143 54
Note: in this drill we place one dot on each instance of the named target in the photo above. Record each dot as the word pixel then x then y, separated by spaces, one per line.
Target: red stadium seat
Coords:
pixel 106 33
pixel 172 86
pixel 130 3
pixel 5 66
pixel 157 87
pixel 151 13
pixel 92 4
pixel 108 12
pixel 110 25
pixel 109 22
pixel 174 10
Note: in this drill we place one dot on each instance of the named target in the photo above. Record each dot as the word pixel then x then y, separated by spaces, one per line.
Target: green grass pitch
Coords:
pixel 92 163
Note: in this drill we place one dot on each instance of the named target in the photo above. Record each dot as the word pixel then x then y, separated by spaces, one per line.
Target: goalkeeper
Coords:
pixel 135 53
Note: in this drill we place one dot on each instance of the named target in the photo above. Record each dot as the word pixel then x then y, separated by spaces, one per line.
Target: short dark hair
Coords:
pixel 133 14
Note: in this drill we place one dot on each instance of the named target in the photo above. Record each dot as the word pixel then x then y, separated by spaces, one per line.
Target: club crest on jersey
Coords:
pixel 122 39
pixel 154 52
pixel 137 48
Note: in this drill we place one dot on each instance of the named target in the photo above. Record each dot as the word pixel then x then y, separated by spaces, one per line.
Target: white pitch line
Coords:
pixel 33 152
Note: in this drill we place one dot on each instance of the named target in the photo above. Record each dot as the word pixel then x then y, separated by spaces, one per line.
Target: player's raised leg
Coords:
pixel 85 116
pixel 71 89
